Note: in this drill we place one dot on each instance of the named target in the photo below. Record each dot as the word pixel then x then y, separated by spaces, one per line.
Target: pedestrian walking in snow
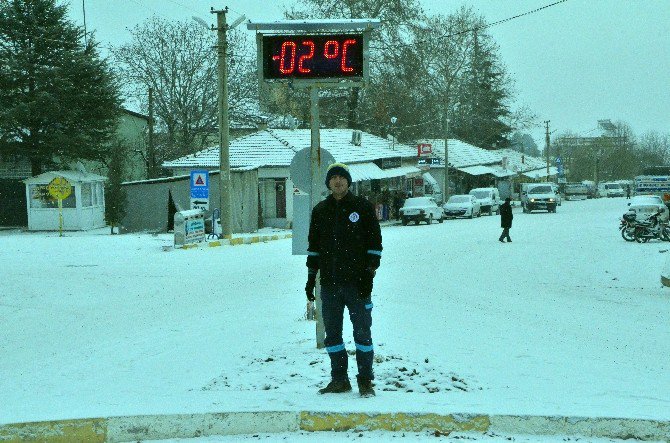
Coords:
pixel 627 191
pixel 345 246
pixel 398 201
pixel 506 217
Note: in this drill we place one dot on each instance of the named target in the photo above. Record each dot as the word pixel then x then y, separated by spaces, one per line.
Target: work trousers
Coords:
pixel 333 300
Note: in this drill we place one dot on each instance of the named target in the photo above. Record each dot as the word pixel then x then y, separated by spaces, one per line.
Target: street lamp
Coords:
pixel 393 120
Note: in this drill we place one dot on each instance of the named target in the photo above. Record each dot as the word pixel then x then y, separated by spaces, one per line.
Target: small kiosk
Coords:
pixel 83 208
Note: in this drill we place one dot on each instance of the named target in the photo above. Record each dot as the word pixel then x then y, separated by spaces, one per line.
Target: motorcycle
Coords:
pixel 627 226
pixel 651 228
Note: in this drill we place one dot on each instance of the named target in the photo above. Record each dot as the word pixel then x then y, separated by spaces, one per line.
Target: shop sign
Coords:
pixel 388 163
pixel 429 161
pixel 424 149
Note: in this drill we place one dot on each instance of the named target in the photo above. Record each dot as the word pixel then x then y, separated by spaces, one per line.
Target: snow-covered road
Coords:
pixel 568 319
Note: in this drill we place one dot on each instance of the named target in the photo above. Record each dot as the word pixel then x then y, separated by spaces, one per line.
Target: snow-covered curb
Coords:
pixel 156 427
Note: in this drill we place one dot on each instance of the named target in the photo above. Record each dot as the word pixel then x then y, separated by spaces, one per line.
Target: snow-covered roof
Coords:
pixel 184 176
pixel 476 170
pixel 70 176
pixel 463 154
pixel 477 161
pixel 370 171
pixel 499 171
pixel 276 147
pixel 540 173
pixel 516 161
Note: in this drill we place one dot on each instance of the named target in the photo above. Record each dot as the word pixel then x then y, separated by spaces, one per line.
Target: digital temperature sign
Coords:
pixel 312 56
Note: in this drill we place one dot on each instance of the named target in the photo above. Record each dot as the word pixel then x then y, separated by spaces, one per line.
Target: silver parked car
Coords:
pixel 647 205
pixel 463 205
pixel 420 209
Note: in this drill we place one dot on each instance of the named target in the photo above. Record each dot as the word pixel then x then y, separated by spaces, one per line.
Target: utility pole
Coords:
pixel 151 167
pixel 446 155
pixel 546 149
pixel 224 137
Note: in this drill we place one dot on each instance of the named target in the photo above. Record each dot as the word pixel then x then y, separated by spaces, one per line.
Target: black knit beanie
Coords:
pixel 338 169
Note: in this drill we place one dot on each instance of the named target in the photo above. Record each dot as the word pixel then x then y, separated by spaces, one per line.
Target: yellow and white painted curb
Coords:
pixel 238 241
pixel 158 427
pixel 258 239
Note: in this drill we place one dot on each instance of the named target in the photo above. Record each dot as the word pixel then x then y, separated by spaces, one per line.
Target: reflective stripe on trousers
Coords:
pixel 333 300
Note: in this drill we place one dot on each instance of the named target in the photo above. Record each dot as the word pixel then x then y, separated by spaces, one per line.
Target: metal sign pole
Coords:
pixel 60 217
pixel 315 197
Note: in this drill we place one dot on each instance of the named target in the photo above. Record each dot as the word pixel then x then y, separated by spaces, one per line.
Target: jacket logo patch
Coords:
pixel 354 217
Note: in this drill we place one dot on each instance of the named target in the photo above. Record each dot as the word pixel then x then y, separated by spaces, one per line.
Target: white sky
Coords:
pixel 574 63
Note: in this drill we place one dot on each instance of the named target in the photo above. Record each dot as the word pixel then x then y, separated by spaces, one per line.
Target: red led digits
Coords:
pixel 304 57
pixel 334 44
pixel 313 56
pixel 343 65
pixel 282 58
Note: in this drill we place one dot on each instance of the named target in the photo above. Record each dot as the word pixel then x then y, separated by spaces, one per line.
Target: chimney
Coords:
pixel 356 137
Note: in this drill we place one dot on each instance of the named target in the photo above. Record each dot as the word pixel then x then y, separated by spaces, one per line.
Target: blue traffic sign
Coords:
pixel 200 184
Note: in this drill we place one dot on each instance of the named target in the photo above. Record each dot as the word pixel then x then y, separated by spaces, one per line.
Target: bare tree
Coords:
pixel 656 145
pixel 179 61
pixel 613 156
pixel 445 51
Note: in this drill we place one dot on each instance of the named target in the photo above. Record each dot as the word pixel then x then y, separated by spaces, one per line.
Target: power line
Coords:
pixel 518 16
pixel 488 25
pixel 185 7
pixel 154 11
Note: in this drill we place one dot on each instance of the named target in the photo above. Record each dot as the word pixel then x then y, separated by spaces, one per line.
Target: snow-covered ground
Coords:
pixel 569 319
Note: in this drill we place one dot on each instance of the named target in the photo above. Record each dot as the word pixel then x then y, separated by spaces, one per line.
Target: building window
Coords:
pixel 86 195
pixel 100 194
pixel 41 199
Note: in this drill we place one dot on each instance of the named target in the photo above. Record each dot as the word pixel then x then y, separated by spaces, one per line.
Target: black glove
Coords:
pixel 365 284
pixel 309 287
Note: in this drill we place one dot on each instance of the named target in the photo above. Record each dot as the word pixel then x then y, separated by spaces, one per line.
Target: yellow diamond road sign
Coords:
pixel 59 188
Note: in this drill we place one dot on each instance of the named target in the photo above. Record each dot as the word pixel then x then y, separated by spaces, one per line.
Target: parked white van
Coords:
pixel 488 198
pixel 610 190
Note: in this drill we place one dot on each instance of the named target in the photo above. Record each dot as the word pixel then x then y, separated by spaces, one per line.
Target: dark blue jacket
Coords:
pixel 345 239
pixel 506 215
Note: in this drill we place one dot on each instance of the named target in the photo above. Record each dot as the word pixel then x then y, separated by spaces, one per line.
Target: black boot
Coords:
pixel 336 387
pixel 365 387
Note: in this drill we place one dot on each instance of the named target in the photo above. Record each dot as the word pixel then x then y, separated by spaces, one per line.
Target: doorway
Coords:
pixel 280 198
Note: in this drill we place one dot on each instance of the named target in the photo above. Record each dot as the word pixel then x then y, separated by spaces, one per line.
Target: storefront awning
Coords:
pixel 370 171
pixel 500 172
pixel 476 170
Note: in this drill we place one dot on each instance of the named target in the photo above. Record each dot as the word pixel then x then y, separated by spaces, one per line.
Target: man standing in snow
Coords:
pixel 505 220
pixel 345 245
